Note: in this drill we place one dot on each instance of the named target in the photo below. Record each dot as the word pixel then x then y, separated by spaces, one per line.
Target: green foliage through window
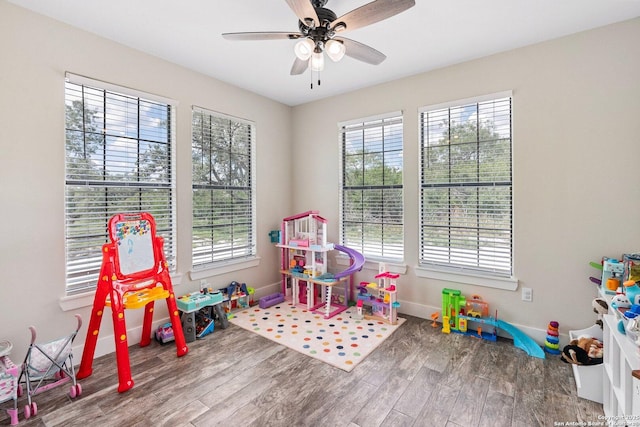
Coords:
pixel 223 207
pixel 372 189
pixel 118 159
pixel 466 187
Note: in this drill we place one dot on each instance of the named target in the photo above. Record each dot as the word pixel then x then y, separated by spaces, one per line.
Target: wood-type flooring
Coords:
pixel 417 377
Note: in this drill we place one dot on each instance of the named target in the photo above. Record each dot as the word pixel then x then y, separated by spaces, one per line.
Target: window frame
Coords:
pixel 250 258
pixel 393 118
pixel 458 273
pixel 80 288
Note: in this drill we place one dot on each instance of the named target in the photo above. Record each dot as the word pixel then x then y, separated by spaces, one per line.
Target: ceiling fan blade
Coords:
pixel 261 36
pixel 299 66
pixel 370 13
pixel 305 12
pixel 361 52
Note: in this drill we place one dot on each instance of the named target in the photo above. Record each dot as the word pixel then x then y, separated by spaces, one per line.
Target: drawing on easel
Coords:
pixel 135 248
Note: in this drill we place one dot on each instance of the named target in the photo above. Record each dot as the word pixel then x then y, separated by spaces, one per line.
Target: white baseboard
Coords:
pixel 106 345
pixel 425 311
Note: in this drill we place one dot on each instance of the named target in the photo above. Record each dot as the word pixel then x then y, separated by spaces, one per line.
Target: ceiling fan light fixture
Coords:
pixel 317 61
pixel 335 50
pixel 304 48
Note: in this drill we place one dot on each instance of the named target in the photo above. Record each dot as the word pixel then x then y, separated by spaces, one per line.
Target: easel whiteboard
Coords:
pixel 135 246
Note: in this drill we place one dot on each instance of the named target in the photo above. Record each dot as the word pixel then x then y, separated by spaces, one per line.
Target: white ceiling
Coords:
pixel 432 34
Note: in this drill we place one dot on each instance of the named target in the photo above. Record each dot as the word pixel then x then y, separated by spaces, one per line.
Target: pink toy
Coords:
pixel 9 381
pixel 47 366
pixel 305 279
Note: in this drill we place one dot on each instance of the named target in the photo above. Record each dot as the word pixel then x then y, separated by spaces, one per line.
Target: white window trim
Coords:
pixel 340 125
pixel 458 276
pixel 87 81
pixel 468 278
pixel 217 268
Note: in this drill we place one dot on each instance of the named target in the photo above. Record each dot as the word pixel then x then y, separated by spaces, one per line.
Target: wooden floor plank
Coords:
pixel 418 376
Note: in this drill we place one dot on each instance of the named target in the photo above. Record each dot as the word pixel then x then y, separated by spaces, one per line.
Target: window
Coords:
pixel 118 159
pixel 372 190
pixel 466 188
pixel 223 191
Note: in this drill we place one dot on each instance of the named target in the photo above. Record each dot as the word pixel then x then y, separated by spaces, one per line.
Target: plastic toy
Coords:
pixel 462 326
pixel 632 290
pixel 198 309
pixel 381 297
pixel 620 302
pixel 612 271
pixel 134 274
pixel 552 343
pixel 453 311
pixel 204 325
pixel 164 333
pixel 434 319
pixel 476 307
pixel 446 327
pixel 236 295
pixel 453 303
pixel 269 300
pixel 304 261
pixel 47 366
pixel 9 372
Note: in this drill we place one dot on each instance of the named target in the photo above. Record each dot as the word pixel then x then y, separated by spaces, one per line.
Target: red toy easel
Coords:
pixel 134 274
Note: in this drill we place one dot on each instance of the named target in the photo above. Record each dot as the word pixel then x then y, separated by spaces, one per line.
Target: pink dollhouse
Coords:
pixel 305 279
pixel 381 297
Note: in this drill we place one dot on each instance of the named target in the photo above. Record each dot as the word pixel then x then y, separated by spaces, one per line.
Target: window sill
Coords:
pixel 506 283
pixel 74 302
pixel 224 268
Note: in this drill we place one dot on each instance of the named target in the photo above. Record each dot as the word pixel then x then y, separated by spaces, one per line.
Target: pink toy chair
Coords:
pixel 134 274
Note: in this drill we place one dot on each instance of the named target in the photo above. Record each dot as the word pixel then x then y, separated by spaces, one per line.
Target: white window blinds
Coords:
pixel 223 188
pixel 372 187
pixel 118 159
pixel 466 187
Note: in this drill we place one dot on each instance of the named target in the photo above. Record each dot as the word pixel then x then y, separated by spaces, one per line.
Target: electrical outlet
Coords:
pixel 527 294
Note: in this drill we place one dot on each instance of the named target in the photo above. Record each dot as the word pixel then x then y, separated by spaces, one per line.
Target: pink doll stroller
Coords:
pixel 47 366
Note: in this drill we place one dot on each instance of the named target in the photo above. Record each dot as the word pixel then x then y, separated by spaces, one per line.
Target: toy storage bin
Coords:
pixel 588 377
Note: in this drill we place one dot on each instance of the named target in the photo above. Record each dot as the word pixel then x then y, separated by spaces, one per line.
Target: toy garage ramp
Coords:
pixel 357 261
pixel 521 340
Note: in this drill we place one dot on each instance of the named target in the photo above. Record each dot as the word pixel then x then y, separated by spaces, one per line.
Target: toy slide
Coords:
pixel 357 261
pixel 521 340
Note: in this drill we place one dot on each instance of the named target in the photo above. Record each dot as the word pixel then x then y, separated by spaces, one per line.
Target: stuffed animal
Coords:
pixel 600 307
pixel 583 351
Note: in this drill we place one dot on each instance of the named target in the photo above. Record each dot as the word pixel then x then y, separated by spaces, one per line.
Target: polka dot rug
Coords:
pixel 341 341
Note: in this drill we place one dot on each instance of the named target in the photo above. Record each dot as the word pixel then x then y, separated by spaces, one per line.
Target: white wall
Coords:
pixel 35 52
pixel 576 130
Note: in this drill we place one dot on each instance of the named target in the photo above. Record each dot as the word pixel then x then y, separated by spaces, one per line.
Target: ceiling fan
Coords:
pixel 320 31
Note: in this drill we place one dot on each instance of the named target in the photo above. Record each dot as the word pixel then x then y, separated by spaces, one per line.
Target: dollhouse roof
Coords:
pixel 314 214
